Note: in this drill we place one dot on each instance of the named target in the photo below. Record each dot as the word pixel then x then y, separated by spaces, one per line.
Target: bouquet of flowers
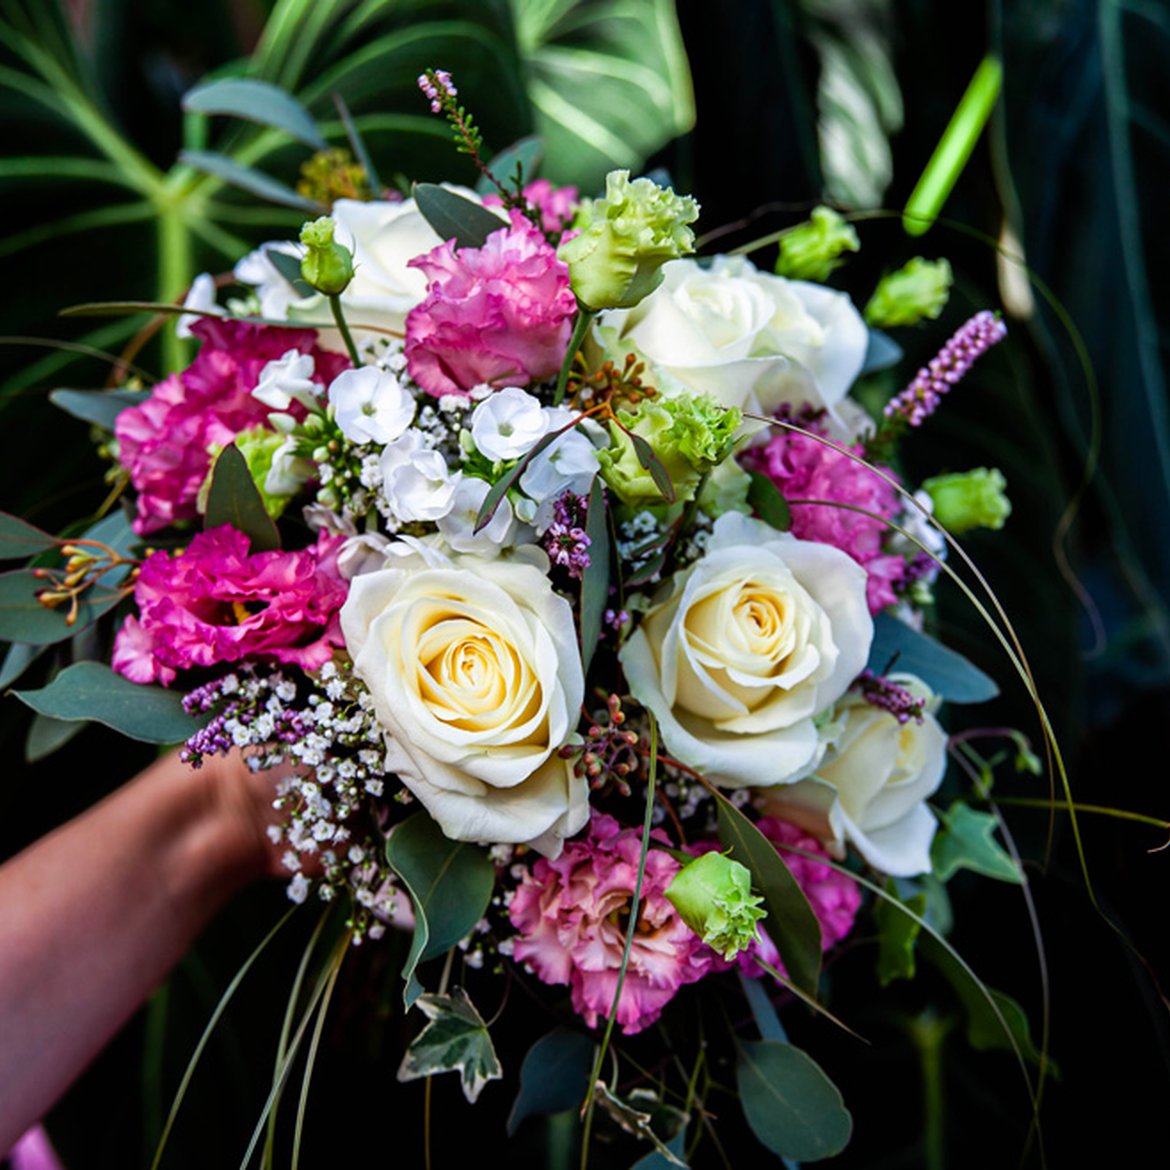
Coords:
pixel 581 606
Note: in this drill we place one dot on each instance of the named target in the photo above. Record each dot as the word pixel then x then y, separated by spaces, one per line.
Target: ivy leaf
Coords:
pixel 595 578
pixel 947 673
pixel 967 842
pixel 789 1102
pixel 455 1039
pixel 234 499
pixel 454 217
pixel 767 502
pixel 19 538
pixel 645 1116
pixel 554 1076
pixel 100 408
pixel 897 934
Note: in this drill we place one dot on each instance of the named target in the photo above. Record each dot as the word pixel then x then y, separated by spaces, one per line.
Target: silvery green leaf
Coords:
pixel 455 1039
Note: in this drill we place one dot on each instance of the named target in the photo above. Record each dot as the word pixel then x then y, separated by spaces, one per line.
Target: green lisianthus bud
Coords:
pixel 327 265
pixel 810 250
pixel 969 499
pixel 920 288
pixel 688 434
pixel 713 896
pixel 625 239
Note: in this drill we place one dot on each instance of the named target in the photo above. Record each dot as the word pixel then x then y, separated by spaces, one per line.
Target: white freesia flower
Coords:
pixel 371 405
pixel 286 380
pixel 738 654
pixel 457 527
pixel 747 338
pixel 477 681
pixel 508 424
pixel 872 785
pixel 416 482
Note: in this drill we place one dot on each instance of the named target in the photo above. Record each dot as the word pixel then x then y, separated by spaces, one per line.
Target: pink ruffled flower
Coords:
pixel 164 443
pixel 572 915
pixel 835 898
pixel 499 315
pixel 557 205
pixel 214 603
pixel 803 469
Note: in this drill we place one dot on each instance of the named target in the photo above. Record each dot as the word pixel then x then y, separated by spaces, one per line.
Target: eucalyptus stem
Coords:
pixel 929 1031
pixel 584 320
pixel 343 328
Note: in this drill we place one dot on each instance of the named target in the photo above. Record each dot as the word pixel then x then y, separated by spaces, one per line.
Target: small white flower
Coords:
pixel 416 482
pixel 201 295
pixel 458 527
pixel 566 465
pixel 508 424
pixel 370 405
pixel 288 379
pixel 298 889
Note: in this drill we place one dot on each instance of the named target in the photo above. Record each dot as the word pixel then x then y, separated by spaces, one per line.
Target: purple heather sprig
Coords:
pixel 890 696
pixel 437 84
pixel 565 539
pixel 973 339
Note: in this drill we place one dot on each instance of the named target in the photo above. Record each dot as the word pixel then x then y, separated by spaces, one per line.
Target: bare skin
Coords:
pixel 95 914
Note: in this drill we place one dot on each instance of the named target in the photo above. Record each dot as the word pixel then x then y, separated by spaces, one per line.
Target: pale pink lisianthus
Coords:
pixel 165 442
pixel 572 914
pixel 499 315
pixel 557 205
pixel 804 469
pixel 215 603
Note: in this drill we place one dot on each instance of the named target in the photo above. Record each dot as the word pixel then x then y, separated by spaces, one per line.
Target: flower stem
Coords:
pixel 584 320
pixel 343 329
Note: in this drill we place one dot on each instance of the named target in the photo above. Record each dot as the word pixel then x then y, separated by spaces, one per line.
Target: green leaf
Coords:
pixel 91 691
pixel 500 488
pixel 455 1039
pixel 46 735
pixel 791 922
pixel 24 619
pixel 651 463
pixel 454 217
pixel 899 647
pixel 527 152
pixel 554 1076
pixel 595 578
pixel 450 884
pixel 656 1160
pixel 642 1113
pixel 290 268
pixel 789 1102
pixel 19 539
pixel 256 101
pixel 19 658
pixel 99 407
pixel 249 179
pixel 767 502
pixel 897 935
pixel 763 1010
pixel 234 499
pixel 966 841
pixel 881 353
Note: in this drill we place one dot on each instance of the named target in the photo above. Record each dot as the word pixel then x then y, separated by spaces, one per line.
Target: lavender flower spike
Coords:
pixel 920 399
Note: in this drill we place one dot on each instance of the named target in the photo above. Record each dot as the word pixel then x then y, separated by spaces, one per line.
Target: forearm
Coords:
pixel 93 916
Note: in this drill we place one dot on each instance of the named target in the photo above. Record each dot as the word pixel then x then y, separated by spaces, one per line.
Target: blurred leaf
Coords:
pixel 17 660
pixel 791 1106
pixel 898 647
pixel 897 935
pixel 24 619
pixel 596 576
pixel 91 691
pixel 652 464
pixel 527 153
pixel 249 179
pixel 455 1039
pixel 881 353
pixel 768 503
pixel 966 841
pixel 257 101
pixel 234 499
pixel 99 407
pixel 20 539
pixel 46 735
pixel 676 1147
pixel 642 1113
pixel 554 1076
pixel 454 217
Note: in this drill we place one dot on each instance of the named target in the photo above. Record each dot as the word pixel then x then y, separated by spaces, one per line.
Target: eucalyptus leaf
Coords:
pixel 652 464
pixel 17 660
pixel 19 538
pixel 46 735
pixel 595 577
pixel 24 619
pixel 454 217
pixel 553 1077
pixel 526 153
pixel 455 1039
pixel 881 353
pixel 256 101
pixel 899 647
pixel 789 1102
pixel 897 934
pixel 966 841
pixel 91 691
pixel 234 499
pixel 767 502
pixel 500 488
pixel 249 179
pixel 790 923
pixel 99 407
pixel 763 1010
pixel 289 267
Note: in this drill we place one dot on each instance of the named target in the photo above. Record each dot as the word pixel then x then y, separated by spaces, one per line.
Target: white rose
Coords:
pixel 872 785
pixel 476 679
pixel 747 338
pixel 739 654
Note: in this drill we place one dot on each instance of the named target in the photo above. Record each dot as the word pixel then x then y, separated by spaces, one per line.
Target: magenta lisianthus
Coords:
pixel 572 913
pixel 834 897
pixel 557 205
pixel 165 442
pixel 215 603
pixel 499 315
pixel 804 469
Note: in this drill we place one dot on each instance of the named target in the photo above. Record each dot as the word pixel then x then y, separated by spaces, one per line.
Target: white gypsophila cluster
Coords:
pixel 638 538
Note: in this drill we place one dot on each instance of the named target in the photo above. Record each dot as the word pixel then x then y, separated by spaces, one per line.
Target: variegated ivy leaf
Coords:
pixel 455 1039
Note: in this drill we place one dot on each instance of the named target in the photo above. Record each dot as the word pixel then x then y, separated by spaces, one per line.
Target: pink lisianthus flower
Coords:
pixel 834 897
pixel 557 205
pixel 164 442
pixel 803 469
pixel 499 315
pixel 215 603
pixel 572 914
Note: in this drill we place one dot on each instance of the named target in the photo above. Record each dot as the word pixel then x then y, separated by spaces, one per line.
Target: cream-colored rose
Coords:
pixel 870 789
pixel 747 338
pixel 476 679
pixel 739 654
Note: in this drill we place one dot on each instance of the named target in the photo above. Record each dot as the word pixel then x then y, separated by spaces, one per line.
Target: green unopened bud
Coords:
pixel 625 239
pixel 327 265
pixel 970 499
pixel 919 289
pixel 810 250
pixel 713 896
